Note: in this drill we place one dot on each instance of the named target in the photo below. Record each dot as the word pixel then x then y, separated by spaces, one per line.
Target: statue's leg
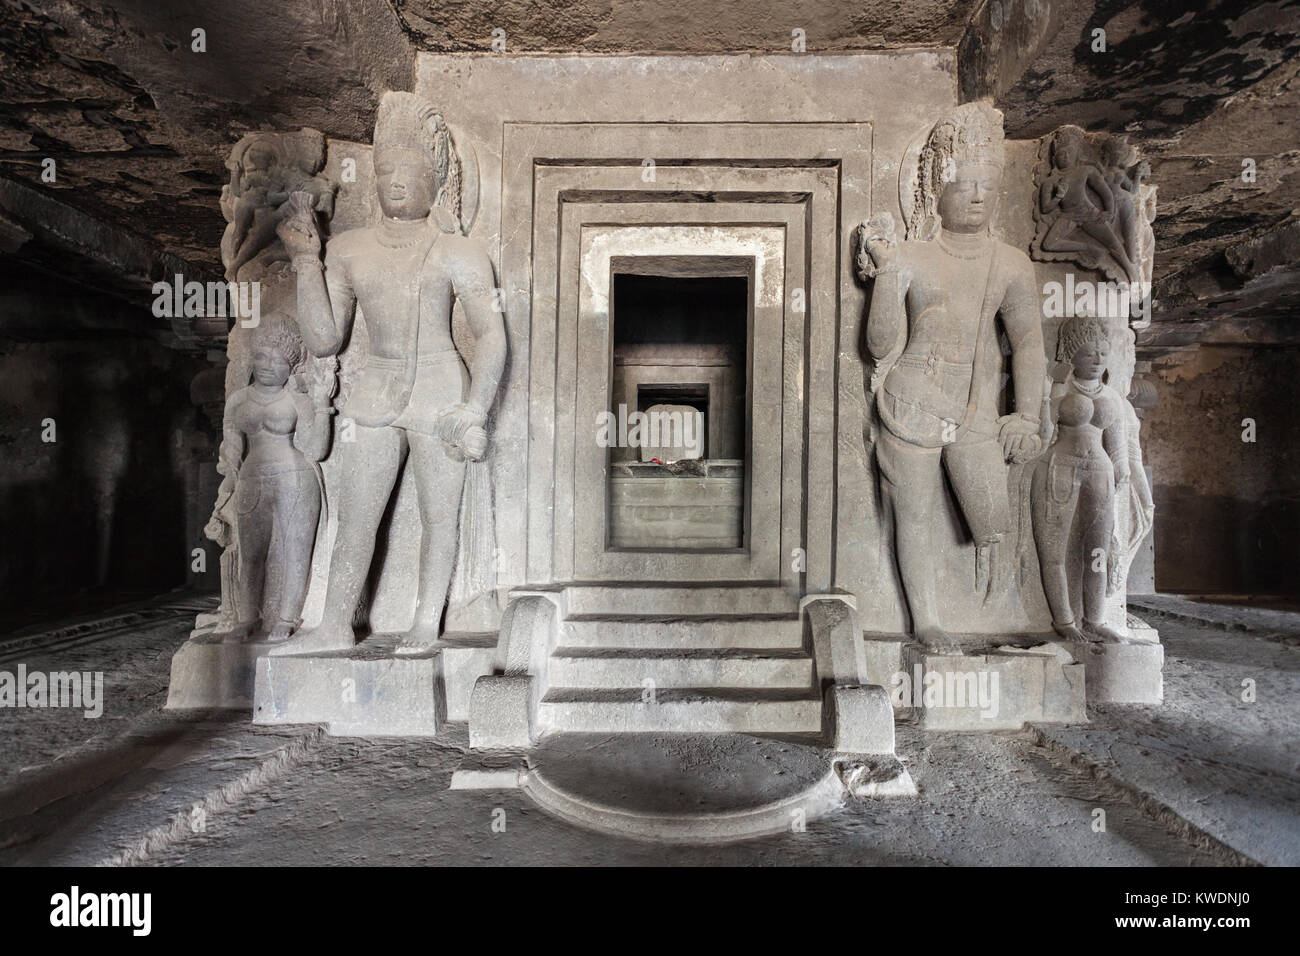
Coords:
pixel 1052 523
pixel 1097 515
pixel 438 482
pixel 1058 237
pixel 911 481
pixel 297 515
pixel 1112 243
pixel 368 468
pixel 978 472
pixel 254 505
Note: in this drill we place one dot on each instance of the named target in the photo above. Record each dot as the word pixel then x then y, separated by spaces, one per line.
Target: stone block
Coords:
pixel 831 631
pixel 364 694
pixel 677 433
pixel 463 663
pixel 1128 673
pixel 501 712
pixel 1000 689
pixel 883 656
pixel 858 720
pixel 210 674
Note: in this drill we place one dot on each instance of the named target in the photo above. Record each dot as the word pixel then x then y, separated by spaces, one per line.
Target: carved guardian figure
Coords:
pixel 274 433
pixel 415 401
pixel 936 304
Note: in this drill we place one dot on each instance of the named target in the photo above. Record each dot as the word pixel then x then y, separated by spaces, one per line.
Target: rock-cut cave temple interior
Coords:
pixel 723 432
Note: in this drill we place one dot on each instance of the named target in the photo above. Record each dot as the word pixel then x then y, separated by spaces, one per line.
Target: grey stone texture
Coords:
pixel 723 594
pixel 81 792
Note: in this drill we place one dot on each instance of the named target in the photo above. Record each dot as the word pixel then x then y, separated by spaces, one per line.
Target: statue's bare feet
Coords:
pixel 938 641
pixel 314 640
pixel 419 640
pixel 1101 634
pixel 280 632
pixel 238 633
pixel 1070 632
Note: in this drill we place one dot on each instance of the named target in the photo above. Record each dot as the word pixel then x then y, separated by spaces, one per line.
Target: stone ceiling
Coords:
pixel 140 123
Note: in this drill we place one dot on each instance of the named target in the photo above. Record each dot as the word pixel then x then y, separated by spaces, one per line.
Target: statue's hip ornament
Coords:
pixel 390 392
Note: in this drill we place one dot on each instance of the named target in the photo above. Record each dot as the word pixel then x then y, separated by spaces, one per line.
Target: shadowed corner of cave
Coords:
pixel 115 159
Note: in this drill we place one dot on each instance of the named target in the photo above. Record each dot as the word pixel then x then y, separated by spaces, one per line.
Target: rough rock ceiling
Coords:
pixel 140 124
pixel 685 26
pixel 1201 87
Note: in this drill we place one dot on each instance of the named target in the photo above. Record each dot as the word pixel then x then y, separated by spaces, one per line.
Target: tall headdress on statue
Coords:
pixel 971 133
pixel 408 120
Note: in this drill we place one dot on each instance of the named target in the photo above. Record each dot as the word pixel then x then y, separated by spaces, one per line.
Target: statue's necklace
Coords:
pixel 973 252
pixel 409 233
pixel 1094 389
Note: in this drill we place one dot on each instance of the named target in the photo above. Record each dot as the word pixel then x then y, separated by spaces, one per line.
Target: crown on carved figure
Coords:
pixel 971 133
pixel 408 120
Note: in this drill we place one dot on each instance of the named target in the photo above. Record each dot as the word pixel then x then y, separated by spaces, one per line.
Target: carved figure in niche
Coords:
pixel 1135 508
pixel 1146 236
pixel 1077 198
pixel 414 399
pixel 265 170
pixel 933 339
pixel 1073 487
pixel 274 434
pixel 1119 165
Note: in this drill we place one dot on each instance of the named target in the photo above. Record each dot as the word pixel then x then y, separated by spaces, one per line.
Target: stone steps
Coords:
pixel 606 668
pixel 722 658
pixel 699 710
pixel 687 600
pixel 715 632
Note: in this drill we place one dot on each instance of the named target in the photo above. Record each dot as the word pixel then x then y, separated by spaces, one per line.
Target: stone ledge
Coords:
pixel 1010 685
pixel 369 692
pixel 209 674
pixel 1129 673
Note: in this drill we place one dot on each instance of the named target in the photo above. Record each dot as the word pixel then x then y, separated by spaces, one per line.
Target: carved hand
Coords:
pixel 877 246
pixel 1020 438
pixel 461 428
pixel 217 531
pixel 298 229
pixel 321 383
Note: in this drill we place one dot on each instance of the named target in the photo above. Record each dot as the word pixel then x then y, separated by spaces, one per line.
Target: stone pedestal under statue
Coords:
pixel 369 691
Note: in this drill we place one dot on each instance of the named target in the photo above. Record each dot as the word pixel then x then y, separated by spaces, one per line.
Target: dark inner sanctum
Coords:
pixel 679 366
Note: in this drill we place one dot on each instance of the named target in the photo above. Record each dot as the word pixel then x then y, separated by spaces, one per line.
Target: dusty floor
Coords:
pixel 1208 779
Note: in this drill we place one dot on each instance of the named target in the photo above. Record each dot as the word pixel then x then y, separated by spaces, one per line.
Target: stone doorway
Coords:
pixel 679 411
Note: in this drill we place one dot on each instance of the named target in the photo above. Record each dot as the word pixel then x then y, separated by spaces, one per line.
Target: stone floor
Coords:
pixel 1207 779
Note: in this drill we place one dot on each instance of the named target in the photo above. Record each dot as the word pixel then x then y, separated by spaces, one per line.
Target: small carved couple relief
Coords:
pixel 1094 206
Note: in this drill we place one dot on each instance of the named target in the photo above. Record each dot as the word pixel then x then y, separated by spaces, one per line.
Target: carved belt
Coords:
pixel 933 364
